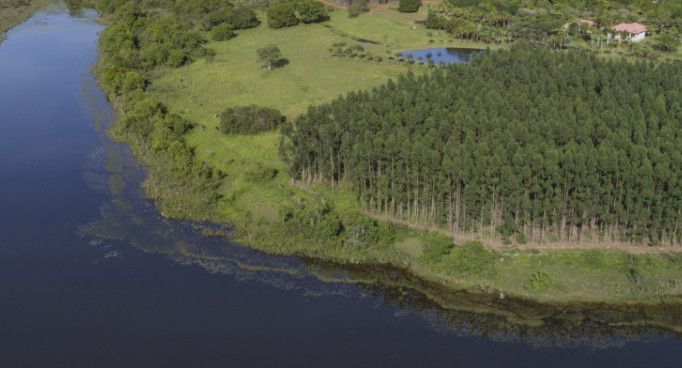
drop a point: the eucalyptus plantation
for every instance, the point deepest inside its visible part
(527, 143)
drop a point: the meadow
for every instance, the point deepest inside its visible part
(235, 77)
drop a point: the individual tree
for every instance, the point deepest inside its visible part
(311, 11)
(281, 15)
(270, 56)
(357, 7)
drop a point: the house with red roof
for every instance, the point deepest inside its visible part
(636, 32)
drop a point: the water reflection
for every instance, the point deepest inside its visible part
(129, 218)
(444, 55)
(463, 313)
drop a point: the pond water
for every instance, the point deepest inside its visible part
(92, 276)
(445, 55)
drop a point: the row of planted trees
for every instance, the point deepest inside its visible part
(528, 143)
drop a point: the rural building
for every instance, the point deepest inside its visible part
(636, 32)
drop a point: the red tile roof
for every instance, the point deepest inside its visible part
(633, 28)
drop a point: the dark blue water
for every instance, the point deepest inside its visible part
(444, 55)
(91, 277)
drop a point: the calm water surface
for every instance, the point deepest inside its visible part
(444, 55)
(90, 274)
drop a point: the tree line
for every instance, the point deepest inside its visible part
(145, 35)
(525, 144)
(542, 21)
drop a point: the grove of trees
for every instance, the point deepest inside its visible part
(282, 15)
(289, 13)
(526, 144)
(249, 119)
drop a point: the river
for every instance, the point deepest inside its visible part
(92, 276)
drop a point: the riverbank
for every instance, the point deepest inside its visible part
(15, 12)
(71, 291)
(241, 180)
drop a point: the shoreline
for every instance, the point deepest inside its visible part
(11, 17)
(181, 190)
(252, 237)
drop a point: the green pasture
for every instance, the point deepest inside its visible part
(595, 274)
(235, 77)
(311, 76)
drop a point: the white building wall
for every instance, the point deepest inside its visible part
(636, 37)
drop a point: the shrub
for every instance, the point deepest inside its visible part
(249, 119)
(359, 230)
(329, 227)
(178, 125)
(386, 233)
(540, 280)
(215, 18)
(222, 32)
(281, 15)
(177, 58)
(242, 17)
(435, 21)
(471, 258)
(409, 6)
(140, 114)
(237, 18)
(259, 174)
(357, 7)
(312, 219)
(437, 246)
(311, 11)
(632, 266)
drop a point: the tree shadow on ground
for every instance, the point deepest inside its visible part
(280, 63)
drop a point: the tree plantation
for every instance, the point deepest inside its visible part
(525, 144)
(520, 145)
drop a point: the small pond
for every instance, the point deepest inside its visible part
(445, 55)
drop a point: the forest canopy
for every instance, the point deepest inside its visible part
(524, 143)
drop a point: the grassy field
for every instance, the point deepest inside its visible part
(234, 77)
(590, 274)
